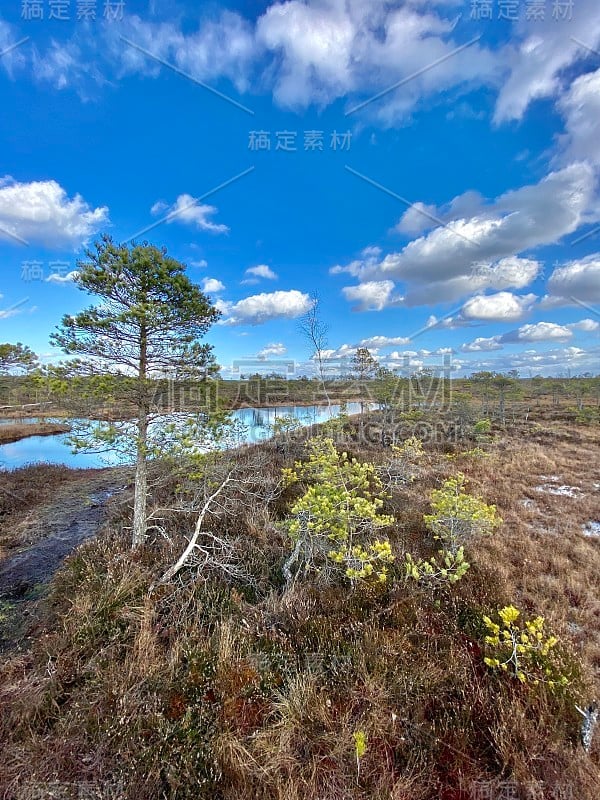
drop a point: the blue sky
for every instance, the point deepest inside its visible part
(431, 172)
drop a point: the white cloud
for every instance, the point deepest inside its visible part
(507, 273)
(482, 344)
(368, 262)
(511, 272)
(417, 219)
(449, 322)
(10, 312)
(12, 58)
(57, 278)
(559, 361)
(478, 252)
(538, 332)
(189, 211)
(372, 296)
(585, 325)
(275, 349)
(330, 49)
(303, 51)
(543, 51)
(406, 359)
(371, 251)
(343, 351)
(41, 212)
(317, 51)
(378, 342)
(63, 65)
(315, 46)
(534, 332)
(264, 307)
(578, 279)
(200, 264)
(500, 307)
(581, 108)
(212, 285)
(58, 64)
(223, 46)
(261, 271)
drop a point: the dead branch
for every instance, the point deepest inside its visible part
(174, 569)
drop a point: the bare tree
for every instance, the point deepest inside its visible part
(315, 332)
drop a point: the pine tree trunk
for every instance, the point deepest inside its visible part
(141, 466)
(141, 488)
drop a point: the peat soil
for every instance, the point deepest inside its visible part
(47, 534)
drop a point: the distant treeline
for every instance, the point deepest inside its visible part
(92, 395)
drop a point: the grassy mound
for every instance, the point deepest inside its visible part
(214, 687)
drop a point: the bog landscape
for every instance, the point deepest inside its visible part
(300, 491)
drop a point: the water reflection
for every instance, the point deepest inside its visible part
(56, 450)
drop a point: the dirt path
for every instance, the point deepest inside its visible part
(52, 531)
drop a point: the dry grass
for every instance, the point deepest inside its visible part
(542, 556)
(205, 689)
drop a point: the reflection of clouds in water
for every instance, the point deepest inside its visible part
(56, 450)
(46, 449)
(19, 421)
(592, 529)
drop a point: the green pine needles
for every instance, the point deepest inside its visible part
(335, 521)
(455, 518)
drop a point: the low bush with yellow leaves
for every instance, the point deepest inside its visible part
(404, 466)
(523, 649)
(446, 568)
(334, 522)
(456, 517)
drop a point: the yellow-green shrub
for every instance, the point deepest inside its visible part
(457, 516)
(523, 648)
(450, 568)
(403, 467)
(335, 520)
